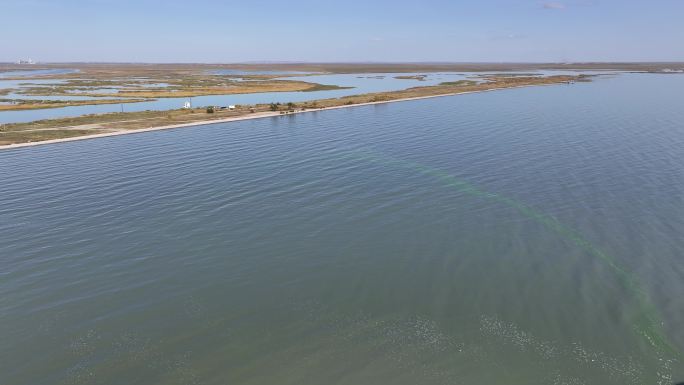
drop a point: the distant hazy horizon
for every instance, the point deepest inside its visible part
(265, 63)
(206, 31)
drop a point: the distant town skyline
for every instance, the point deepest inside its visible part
(352, 31)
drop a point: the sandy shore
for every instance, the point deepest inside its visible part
(258, 115)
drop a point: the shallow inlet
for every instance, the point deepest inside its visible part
(269, 251)
(358, 83)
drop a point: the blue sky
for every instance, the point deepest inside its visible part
(350, 30)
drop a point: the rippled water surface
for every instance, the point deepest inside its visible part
(527, 236)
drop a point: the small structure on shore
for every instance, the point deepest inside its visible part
(231, 107)
(187, 105)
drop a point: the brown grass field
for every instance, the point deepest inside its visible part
(149, 81)
(123, 70)
(138, 82)
(41, 104)
(141, 81)
(125, 122)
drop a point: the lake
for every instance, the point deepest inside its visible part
(524, 236)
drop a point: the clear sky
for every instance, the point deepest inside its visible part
(347, 30)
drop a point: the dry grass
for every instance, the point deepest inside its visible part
(43, 104)
(37, 136)
(411, 77)
(140, 81)
(189, 80)
(92, 124)
(127, 70)
(181, 89)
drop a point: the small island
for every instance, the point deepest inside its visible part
(98, 125)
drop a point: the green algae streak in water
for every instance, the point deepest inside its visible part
(646, 324)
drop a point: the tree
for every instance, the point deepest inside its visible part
(210, 110)
(291, 106)
(274, 107)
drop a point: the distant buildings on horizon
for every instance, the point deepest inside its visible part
(27, 61)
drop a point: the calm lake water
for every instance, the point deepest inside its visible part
(527, 236)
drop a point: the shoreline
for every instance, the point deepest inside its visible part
(258, 115)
